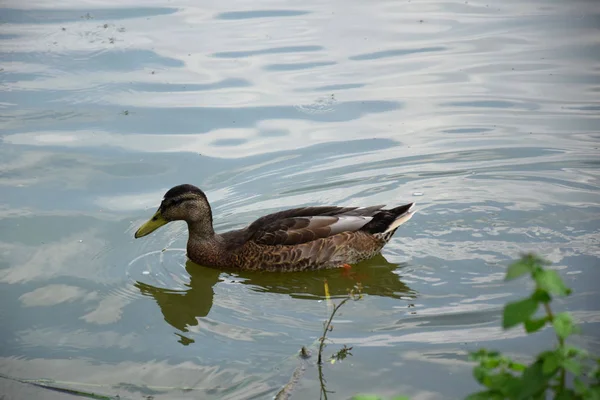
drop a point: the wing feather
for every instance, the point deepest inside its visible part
(298, 230)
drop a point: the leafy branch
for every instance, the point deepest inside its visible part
(547, 375)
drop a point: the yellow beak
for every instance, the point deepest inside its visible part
(151, 225)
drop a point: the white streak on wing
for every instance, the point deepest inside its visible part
(344, 223)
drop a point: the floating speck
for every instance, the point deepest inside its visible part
(80, 241)
(146, 273)
(418, 194)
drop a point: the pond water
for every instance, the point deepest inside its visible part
(484, 113)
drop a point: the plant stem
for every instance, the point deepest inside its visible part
(326, 329)
(561, 344)
(323, 394)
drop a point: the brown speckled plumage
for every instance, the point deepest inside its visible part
(298, 239)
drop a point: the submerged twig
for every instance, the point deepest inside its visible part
(62, 387)
(50, 385)
(286, 391)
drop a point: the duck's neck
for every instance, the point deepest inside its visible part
(204, 247)
(200, 229)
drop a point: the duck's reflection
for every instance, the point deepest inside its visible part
(182, 308)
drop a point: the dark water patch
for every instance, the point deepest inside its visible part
(500, 104)
(188, 87)
(331, 88)
(8, 36)
(329, 185)
(495, 174)
(297, 66)
(488, 317)
(229, 142)
(593, 108)
(395, 53)
(512, 153)
(53, 16)
(305, 156)
(106, 60)
(132, 169)
(467, 130)
(232, 15)
(26, 101)
(12, 77)
(38, 229)
(194, 120)
(272, 50)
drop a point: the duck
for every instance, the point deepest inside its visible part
(297, 239)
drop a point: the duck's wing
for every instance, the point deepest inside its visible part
(302, 225)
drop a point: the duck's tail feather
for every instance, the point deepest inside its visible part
(402, 217)
(387, 221)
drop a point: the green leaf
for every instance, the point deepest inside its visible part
(566, 394)
(485, 395)
(483, 354)
(366, 397)
(513, 388)
(563, 325)
(580, 387)
(518, 269)
(572, 351)
(551, 362)
(534, 325)
(534, 380)
(401, 398)
(517, 312)
(593, 393)
(501, 381)
(490, 363)
(516, 367)
(480, 373)
(541, 296)
(551, 282)
(492, 353)
(573, 366)
(478, 355)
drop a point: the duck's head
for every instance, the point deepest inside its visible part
(181, 203)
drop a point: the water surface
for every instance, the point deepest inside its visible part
(486, 114)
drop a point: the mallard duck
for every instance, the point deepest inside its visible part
(298, 239)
